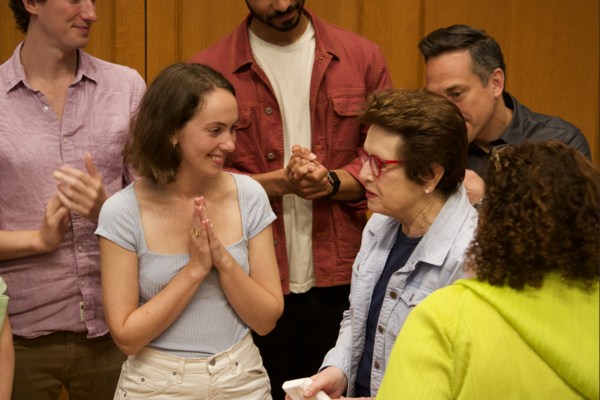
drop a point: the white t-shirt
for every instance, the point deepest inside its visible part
(289, 69)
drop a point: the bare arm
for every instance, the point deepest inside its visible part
(7, 360)
(133, 327)
(17, 244)
(256, 298)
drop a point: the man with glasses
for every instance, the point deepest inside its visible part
(300, 83)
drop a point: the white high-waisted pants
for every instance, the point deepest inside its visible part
(237, 373)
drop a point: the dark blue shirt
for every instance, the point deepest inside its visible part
(398, 257)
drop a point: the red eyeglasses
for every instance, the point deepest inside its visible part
(375, 162)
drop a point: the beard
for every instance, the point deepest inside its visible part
(281, 26)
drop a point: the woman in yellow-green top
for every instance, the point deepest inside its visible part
(7, 351)
(527, 327)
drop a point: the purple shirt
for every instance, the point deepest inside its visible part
(60, 290)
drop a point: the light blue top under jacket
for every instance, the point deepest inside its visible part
(436, 262)
(208, 325)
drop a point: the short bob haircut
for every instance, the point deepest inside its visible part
(433, 131)
(540, 215)
(21, 14)
(168, 105)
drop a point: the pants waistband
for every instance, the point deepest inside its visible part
(181, 365)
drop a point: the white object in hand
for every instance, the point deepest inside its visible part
(295, 389)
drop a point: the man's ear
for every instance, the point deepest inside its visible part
(438, 172)
(497, 81)
(31, 6)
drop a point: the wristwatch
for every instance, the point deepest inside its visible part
(333, 181)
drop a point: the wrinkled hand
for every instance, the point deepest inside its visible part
(80, 192)
(308, 178)
(201, 259)
(331, 380)
(54, 226)
(474, 185)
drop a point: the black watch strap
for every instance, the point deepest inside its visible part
(333, 181)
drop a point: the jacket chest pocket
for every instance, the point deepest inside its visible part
(343, 123)
(246, 144)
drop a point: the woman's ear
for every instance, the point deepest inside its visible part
(438, 172)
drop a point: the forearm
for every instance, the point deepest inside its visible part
(145, 323)
(258, 308)
(275, 183)
(7, 361)
(350, 188)
(17, 244)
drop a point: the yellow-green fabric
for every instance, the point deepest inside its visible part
(472, 340)
(3, 302)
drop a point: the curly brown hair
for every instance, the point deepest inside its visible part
(540, 215)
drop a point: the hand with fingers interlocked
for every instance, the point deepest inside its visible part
(308, 177)
(80, 192)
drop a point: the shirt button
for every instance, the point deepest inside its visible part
(270, 156)
(275, 242)
(213, 362)
(65, 140)
(393, 295)
(82, 283)
(45, 108)
(79, 248)
(80, 83)
(380, 329)
(377, 365)
(269, 111)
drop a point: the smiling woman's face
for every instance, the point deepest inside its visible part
(392, 193)
(210, 135)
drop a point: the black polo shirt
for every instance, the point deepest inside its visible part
(527, 125)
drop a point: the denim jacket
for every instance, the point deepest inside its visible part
(436, 262)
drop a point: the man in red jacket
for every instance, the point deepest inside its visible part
(300, 83)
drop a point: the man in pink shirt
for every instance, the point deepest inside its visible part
(64, 118)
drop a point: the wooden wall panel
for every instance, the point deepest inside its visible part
(9, 35)
(344, 13)
(203, 23)
(395, 25)
(162, 24)
(102, 43)
(130, 34)
(554, 61)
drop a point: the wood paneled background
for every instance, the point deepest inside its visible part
(551, 47)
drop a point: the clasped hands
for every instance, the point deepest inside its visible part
(205, 248)
(76, 191)
(307, 177)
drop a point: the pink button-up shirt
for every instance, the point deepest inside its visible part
(60, 290)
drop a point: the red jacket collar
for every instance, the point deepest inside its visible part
(241, 53)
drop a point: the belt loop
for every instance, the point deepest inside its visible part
(180, 372)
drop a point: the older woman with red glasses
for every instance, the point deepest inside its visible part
(413, 163)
